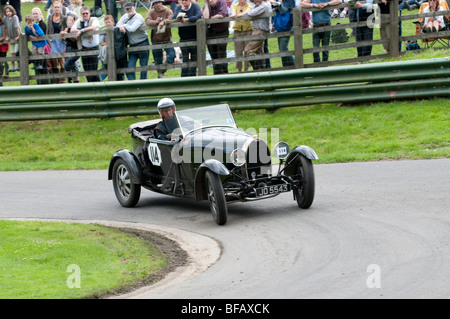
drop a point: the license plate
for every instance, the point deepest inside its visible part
(273, 189)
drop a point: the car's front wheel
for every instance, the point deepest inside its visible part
(126, 192)
(304, 193)
(216, 198)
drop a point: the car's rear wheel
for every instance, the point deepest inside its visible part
(216, 198)
(304, 193)
(126, 191)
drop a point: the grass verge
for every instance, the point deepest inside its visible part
(380, 131)
(46, 260)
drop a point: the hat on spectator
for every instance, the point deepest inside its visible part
(154, 1)
(129, 5)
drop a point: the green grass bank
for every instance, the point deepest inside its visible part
(379, 131)
(53, 260)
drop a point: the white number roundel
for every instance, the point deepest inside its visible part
(154, 154)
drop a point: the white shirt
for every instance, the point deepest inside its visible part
(439, 18)
(89, 41)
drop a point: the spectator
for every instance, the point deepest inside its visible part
(33, 30)
(320, 19)
(87, 42)
(116, 6)
(65, 3)
(64, 7)
(188, 11)
(3, 3)
(103, 56)
(160, 16)
(261, 26)
(402, 4)
(39, 19)
(16, 5)
(217, 9)
(362, 12)
(130, 24)
(266, 41)
(436, 23)
(306, 20)
(98, 3)
(56, 23)
(72, 63)
(12, 25)
(241, 28)
(385, 28)
(411, 4)
(283, 23)
(75, 7)
(172, 3)
(343, 13)
(4, 47)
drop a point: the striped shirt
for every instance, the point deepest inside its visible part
(261, 23)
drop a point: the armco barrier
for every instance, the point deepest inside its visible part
(267, 90)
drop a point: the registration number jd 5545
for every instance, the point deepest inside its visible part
(273, 189)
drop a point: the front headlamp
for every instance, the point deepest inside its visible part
(238, 157)
(281, 150)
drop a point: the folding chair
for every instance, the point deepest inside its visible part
(430, 42)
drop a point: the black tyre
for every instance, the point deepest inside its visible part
(304, 194)
(216, 197)
(127, 193)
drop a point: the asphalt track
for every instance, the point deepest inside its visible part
(375, 230)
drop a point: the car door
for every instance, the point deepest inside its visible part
(173, 178)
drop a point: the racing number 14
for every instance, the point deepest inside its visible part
(154, 154)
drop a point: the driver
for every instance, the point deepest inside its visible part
(164, 129)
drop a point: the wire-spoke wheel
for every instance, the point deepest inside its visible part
(126, 192)
(216, 198)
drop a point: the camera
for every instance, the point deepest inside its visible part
(351, 3)
(276, 4)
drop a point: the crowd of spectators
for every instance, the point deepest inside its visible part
(70, 16)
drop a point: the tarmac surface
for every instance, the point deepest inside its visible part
(375, 230)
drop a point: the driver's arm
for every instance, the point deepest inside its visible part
(160, 133)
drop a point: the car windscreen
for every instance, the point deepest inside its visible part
(197, 118)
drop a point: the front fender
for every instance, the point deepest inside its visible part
(132, 162)
(214, 165)
(291, 164)
(304, 150)
(200, 186)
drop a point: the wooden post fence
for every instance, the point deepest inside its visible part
(297, 33)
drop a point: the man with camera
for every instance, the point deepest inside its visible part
(283, 23)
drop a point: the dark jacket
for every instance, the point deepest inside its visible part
(120, 44)
(192, 14)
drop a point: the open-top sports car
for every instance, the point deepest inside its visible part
(209, 158)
